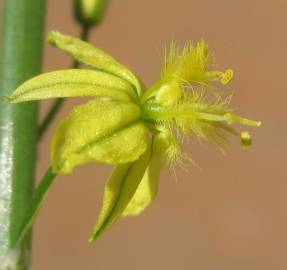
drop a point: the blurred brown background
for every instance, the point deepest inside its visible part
(231, 213)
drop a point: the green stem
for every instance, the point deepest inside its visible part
(21, 57)
(58, 103)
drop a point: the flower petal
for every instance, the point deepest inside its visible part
(94, 57)
(148, 186)
(71, 83)
(101, 130)
(119, 190)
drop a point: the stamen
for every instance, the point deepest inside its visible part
(245, 139)
(227, 76)
(232, 118)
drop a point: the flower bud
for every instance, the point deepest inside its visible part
(89, 12)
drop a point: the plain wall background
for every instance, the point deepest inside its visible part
(228, 215)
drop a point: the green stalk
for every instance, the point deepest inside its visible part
(21, 57)
(38, 198)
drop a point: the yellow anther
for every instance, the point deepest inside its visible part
(245, 139)
(227, 76)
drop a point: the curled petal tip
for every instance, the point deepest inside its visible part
(227, 76)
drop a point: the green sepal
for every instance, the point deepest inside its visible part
(73, 83)
(101, 130)
(94, 57)
(119, 190)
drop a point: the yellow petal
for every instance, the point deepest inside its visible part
(101, 130)
(72, 83)
(162, 151)
(92, 56)
(119, 190)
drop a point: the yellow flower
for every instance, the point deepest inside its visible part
(137, 129)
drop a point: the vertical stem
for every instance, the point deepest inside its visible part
(21, 55)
